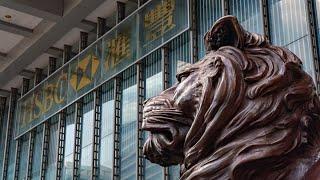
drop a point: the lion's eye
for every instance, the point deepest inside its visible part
(182, 77)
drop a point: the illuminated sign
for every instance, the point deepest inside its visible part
(147, 29)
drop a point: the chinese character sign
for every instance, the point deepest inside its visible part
(133, 39)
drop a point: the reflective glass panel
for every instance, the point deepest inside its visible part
(37, 152)
(128, 128)
(107, 125)
(52, 153)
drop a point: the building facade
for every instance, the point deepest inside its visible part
(96, 133)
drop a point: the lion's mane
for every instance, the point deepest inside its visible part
(263, 111)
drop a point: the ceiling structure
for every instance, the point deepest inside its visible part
(33, 30)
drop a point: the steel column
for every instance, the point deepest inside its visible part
(45, 150)
(77, 141)
(165, 85)
(101, 26)
(194, 31)
(96, 134)
(141, 97)
(25, 86)
(121, 11)
(30, 154)
(311, 9)
(61, 143)
(67, 53)
(38, 76)
(226, 7)
(52, 65)
(83, 41)
(17, 158)
(9, 134)
(117, 120)
(265, 15)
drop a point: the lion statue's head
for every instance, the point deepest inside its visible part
(247, 110)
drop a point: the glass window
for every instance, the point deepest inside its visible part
(37, 151)
(208, 11)
(153, 87)
(128, 127)
(87, 139)
(24, 152)
(179, 56)
(12, 155)
(52, 153)
(288, 21)
(69, 143)
(107, 125)
(249, 14)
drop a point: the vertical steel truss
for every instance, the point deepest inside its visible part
(30, 153)
(165, 85)
(265, 15)
(226, 7)
(77, 139)
(38, 76)
(141, 97)
(45, 150)
(312, 30)
(96, 134)
(3, 101)
(61, 143)
(9, 134)
(194, 31)
(117, 116)
(17, 160)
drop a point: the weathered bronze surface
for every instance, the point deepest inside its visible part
(247, 110)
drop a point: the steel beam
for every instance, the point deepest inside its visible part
(61, 143)
(15, 29)
(77, 141)
(117, 121)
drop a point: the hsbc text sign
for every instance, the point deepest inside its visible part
(143, 32)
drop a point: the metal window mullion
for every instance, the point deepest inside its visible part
(96, 133)
(30, 154)
(314, 43)
(165, 85)
(11, 111)
(45, 150)
(265, 15)
(61, 143)
(77, 139)
(141, 97)
(117, 116)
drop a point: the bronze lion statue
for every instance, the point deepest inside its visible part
(247, 110)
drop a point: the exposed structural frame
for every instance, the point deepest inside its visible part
(77, 140)
(265, 16)
(116, 129)
(61, 143)
(45, 150)
(193, 31)
(141, 96)
(97, 101)
(311, 10)
(165, 85)
(9, 129)
(31, 153)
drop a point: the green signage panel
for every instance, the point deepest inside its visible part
(147, 29)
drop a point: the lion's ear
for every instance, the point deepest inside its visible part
(225, 32)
